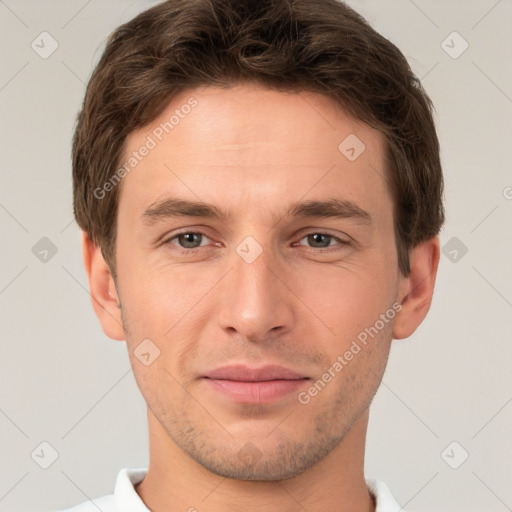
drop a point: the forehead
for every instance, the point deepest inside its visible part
(237, 113)
(256, 141)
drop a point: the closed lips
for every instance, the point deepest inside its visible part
(242, 373)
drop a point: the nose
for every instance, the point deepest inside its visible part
(257, 301)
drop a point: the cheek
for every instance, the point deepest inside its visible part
(348, 300)
(156, 300)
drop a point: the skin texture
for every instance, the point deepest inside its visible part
(251, 152)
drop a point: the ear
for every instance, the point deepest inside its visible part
(415, 291)
(103, 292)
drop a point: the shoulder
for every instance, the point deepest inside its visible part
(124, 498)
(105, 504)
(384, 500)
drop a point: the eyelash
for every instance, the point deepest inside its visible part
(184, 250)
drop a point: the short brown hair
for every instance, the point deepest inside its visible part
(322, 46)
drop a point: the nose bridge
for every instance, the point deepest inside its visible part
(255, 301)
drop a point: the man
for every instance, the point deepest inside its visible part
(260, 191)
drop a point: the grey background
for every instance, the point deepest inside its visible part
(62, 381)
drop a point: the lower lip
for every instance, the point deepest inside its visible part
(255, 392)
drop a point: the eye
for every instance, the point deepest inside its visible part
(188, 239)
(322, 240)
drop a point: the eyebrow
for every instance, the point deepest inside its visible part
(332, 208)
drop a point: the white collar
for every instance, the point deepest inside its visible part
(127, 499)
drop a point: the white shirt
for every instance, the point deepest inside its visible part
(126, 499)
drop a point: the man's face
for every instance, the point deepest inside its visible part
(262, 285)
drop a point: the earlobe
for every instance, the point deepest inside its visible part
(104, 298)
(416, 290)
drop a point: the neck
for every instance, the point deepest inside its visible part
(175, 482)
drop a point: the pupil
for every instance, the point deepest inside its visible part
(317, 239)
(189, 238)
